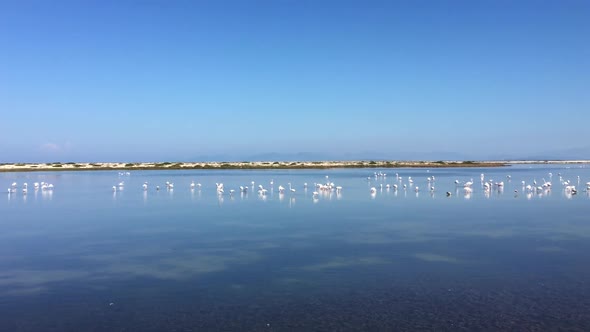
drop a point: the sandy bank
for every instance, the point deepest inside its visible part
(24, 167)
(28, 167)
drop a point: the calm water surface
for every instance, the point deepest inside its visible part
(82, 257)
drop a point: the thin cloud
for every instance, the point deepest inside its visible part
(50, 147)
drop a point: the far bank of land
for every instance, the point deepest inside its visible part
(72, 166)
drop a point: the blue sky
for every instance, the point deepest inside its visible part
(183, 80)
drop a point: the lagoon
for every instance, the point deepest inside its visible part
(82, 257)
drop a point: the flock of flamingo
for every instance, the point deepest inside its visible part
(487, 186)
(220, 189)
(25, 187)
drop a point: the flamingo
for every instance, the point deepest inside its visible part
(292, 189)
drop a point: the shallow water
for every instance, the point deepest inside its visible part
(82, 257)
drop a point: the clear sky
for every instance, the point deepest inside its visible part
(178, 80)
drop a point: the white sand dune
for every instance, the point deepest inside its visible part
(11, 167)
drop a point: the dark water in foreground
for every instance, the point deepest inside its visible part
(82, 258)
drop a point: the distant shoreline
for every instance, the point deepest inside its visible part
(71, 166)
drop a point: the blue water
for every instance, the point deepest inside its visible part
(82, 257)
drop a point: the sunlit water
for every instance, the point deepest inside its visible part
(82, 257)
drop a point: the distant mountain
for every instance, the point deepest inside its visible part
(582, 153)
(298, 156)
(317, 156)
(566, 154)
